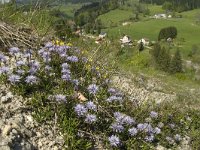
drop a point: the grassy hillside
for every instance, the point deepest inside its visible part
(188, 30)
(69, 9)
(115, 17)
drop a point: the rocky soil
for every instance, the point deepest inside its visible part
(141, 90)
(19, 131)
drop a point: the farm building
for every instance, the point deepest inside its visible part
(145, 41)
(102, 35)
(126, 40)
(160, 16)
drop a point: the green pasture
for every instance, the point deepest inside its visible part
(115, 17)
(69, 9)
(188, 30)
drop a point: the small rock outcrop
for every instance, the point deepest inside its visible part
(19, 131)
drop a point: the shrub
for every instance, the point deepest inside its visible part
(169, 32)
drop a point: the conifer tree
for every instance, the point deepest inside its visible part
(164, 58)
(176, 63)
(155, 51)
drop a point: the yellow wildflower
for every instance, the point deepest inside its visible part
(57, 42)
(69, 44)
(62, 43)
(90, 60)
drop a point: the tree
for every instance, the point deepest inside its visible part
(62, 28)
(167, 6)
(98, 26)
(169, 32)
(163, 60)
(176, 63)
(155, 51)
(87, 28)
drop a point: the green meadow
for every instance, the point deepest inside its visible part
(188, 29)
(69, 9)
(115, 17)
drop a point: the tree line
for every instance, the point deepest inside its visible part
(85, 17)
(165, 61)
(177, 5)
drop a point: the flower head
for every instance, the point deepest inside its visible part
(93, 88)
(35, 64)
(20, 63)
(149, 138)
(111, 90)
(41, 51)
(65, 66)
(114, 140)
(28, 53)
(4, 69)
(91, 106)
(2, 58)
(153, 114)
(114, 98)
(117, 127)
(65, 71)
(133, 131)
(20, 71)
(80, 109)
(90, 118)
(72, 58)
(128, 120)
(14, 50)
(31, 79)
(66, 77)
(48, 44)
(14, 78)
(60, 98)
(144, 127)
(33, 70)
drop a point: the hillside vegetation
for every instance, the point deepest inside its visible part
(109, 95)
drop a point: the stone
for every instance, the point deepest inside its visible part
(159, 147)
(38, 134)
(9, 95)
(6, 130)
(14, 131)
(4, 99)
(4, 147)
(29, 118)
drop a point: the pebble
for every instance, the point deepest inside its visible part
(4, 99)
(6, 130)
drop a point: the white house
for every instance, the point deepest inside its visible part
(102, 35)
(126, 40)
(169, 16)
(159, 16)
(126, 23)
(145, 41)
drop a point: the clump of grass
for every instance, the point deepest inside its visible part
(75, 92)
